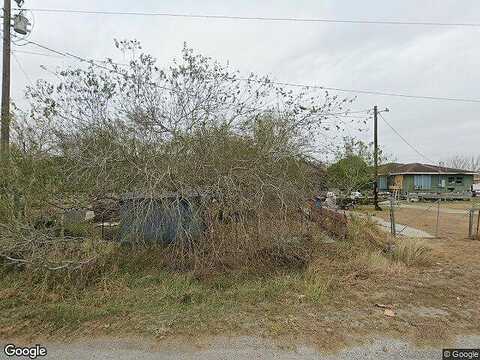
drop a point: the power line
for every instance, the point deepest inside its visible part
(56, 56)
(89, 61)
(37, 53)
(355, 91)
(406, 141)
(256, 18)
(371, 92)
(76, 57)
(22, 69)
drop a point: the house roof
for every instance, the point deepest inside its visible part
(417, 168)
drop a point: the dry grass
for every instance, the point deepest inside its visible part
(287, 272)
(378, 263)
(412, 252)
(136, 292)
(455, 205)
(451, 226)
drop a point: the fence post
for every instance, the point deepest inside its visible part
(478, 225)
(392, 217)
(470, 224)
(438, 217)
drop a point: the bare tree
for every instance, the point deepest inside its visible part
(464, 162)
(196, 125)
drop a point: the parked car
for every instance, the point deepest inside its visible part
(354, 195)
(476, 190)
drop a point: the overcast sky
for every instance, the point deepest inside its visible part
(431, 61)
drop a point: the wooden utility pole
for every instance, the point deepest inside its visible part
(375, 155)
(5, 128)
(393, 226)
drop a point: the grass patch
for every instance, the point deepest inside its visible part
(317, 288)
(412, 252)
(132, 291)
(378, 263)
(175, 302)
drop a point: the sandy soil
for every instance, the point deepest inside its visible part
(452, 226)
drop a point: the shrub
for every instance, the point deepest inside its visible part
(192, 128)
(412, 252)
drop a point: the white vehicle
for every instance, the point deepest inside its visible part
(354, 195)
(476, 189)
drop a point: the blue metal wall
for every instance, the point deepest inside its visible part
(161, 221)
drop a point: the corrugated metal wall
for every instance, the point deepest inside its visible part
(161, 221)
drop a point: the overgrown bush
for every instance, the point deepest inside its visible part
(246, 144)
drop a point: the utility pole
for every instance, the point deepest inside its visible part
(5, 127)
(393, 225)
(375, 156)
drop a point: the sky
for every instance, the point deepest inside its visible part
(416, 60)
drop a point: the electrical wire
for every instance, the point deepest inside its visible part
(256, 18)
(405, 140)
(37, 53)
(81, 59)
(369, 92)
(57, 56)
(27, 77)
(373, 92)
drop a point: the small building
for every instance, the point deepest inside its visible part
(160, 219)
(423, 178)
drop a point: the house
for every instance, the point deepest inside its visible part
(423, 178)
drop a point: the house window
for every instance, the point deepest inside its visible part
(459, 180)
(422, 182)
(451, 180)
(382, 183)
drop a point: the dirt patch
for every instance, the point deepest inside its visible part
(451, 226)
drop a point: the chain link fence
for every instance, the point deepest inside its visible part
(437, 219)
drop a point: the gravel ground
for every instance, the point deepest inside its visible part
(241, 348)
(405, 230)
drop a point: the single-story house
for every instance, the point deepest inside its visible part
(416, 177)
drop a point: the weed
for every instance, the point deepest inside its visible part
(412, 252)
(317, 285)
(378, 263)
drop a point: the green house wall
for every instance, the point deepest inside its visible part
(408, 184)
